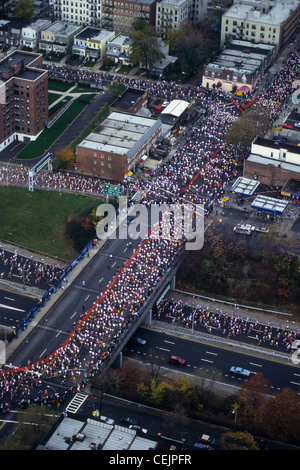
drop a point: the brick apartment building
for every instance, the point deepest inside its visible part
(117, 145)
(23, 97)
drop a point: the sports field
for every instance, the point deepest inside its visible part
(37, 219)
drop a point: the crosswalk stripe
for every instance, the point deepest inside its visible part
(76, 402)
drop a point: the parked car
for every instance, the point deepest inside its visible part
(177, 360)
(209, 440)
(107, 420)
(240, 371)
(287, 126)
(139, 340)
(297, 124)
(130, 421)
(138, 427)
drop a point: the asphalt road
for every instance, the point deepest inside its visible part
(53, 330)
(213, 362)
(14, 307)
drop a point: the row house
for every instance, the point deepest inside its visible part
(58, 37)
(91, 42)
(31, 34)
(10, 34)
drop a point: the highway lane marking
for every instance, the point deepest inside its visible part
(113, 265)
(162, 349)
(58, 333)
(212, 353)
(207, 360)
(87, 297)
(254, 364)
(12, 308)
(42, 354)
(169, 342)
(8, 298)
(294, 383)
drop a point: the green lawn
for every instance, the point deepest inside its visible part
(57, 85)
(37, 219)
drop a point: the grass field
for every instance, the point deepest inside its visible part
(36, 220)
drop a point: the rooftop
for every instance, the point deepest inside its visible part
(88, 33)
(241, 56)
(61, 27)
(274, 144)
(128, 98)
(276, 15)
(119, 133)
(16, 58)
(73, 433)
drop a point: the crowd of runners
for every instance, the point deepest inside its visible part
(227, 324)
(102, 329)
(14, 266)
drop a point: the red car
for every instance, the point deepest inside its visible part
(177, 360)
(287, 126)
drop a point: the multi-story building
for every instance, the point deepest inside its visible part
(23, 97)
(58, 37)
(10, 34)
(261, 21)
(117, 145)
(78, 11)
(171, 13)
(272, 162)
(31, 34)
(114, 15)
(125, 12)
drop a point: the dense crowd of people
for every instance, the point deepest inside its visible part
(102, 329)
(229, 325)
(29, 270)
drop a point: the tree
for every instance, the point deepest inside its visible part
(254, 121)
(254, 390)
(145, 47)
(24, 10)
(64, 159)
(280, 417)
(238, 441)
(26, 436)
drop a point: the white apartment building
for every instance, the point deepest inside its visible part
(272, 163)
(31, 34)
(261, 21)
(171, 13)
(78, 11)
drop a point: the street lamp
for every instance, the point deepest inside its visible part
(234, 411)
